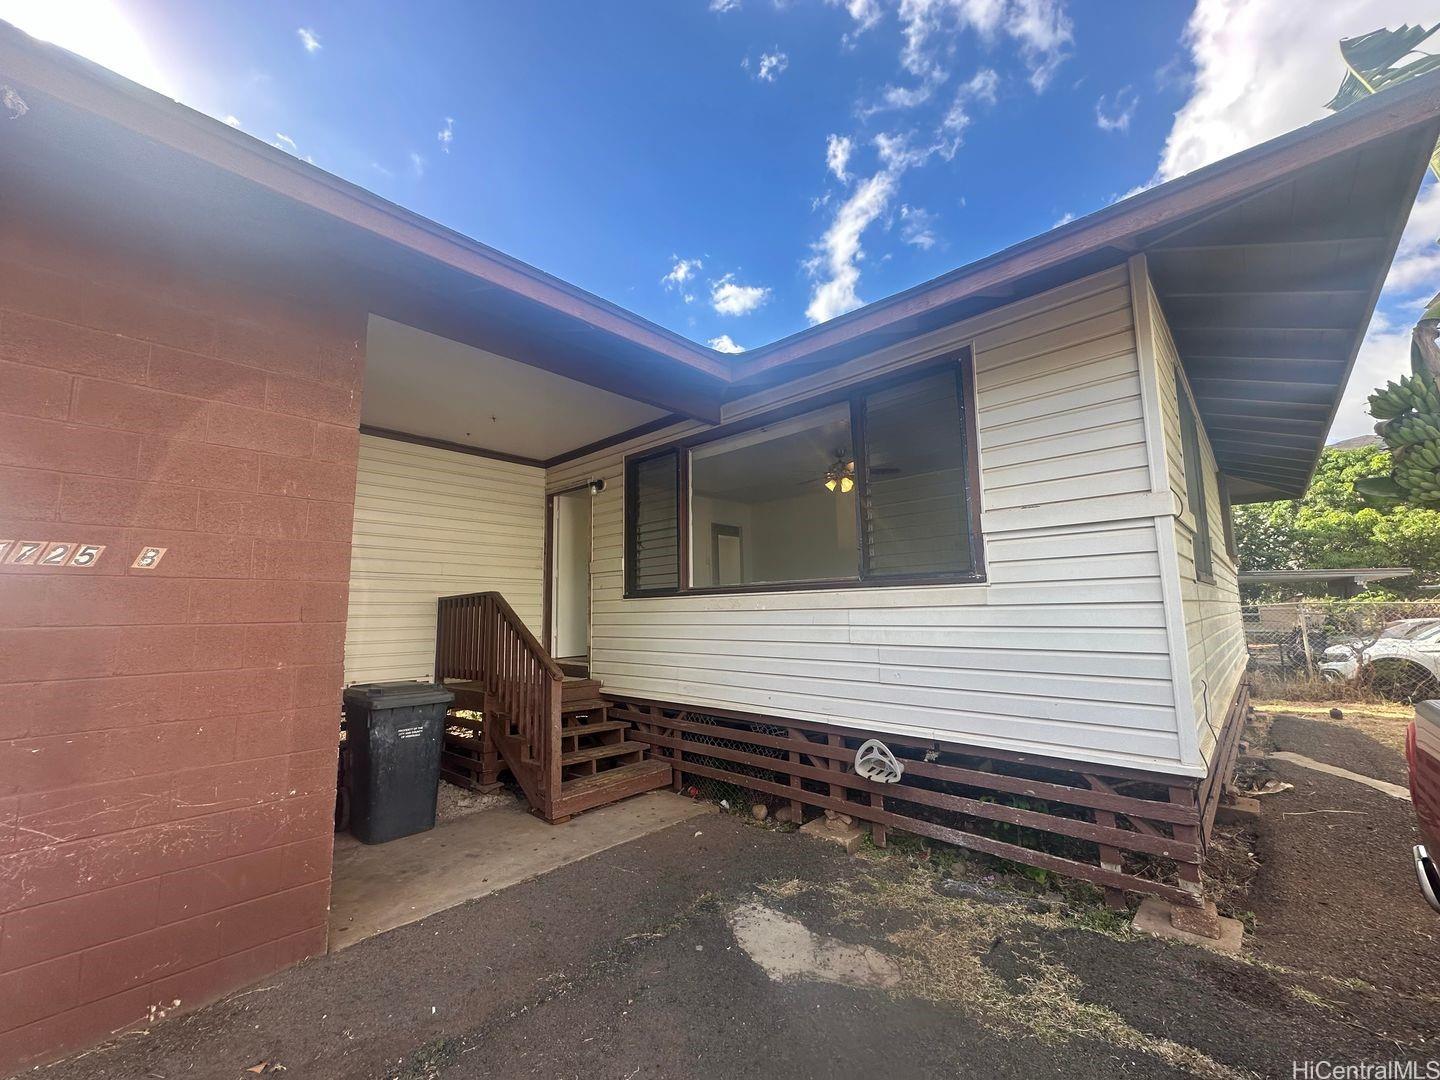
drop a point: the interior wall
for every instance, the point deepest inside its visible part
(432, 523)
(571, 553)
(168, 726)
(810, 535)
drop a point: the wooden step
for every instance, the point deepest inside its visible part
(576, 667)
(594, 705)
(594, 728)
(579, 689)
(588, 792)
(599, 753)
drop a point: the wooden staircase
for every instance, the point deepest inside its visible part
(552, 731)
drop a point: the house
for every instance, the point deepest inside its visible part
(259, 421)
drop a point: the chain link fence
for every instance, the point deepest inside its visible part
(1346, 650)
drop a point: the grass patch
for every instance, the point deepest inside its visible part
(943, 943)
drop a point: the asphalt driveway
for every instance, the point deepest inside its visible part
(630, 964)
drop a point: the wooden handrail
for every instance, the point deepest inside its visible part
(479, 638)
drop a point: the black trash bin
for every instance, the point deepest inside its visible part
(393, 735)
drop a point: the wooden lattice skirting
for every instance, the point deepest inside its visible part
(1125, 830)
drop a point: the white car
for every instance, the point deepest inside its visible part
(1406, 655)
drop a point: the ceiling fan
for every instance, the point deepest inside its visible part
(839, 475)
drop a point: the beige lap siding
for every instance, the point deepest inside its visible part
(431, 523)
(1063, 651)
(167, 737)
(1214, 633)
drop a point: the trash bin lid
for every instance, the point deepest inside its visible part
(397, 695)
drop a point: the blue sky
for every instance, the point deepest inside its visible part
(738, 169)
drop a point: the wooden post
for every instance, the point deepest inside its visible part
(1188, 873)
(1305, 643)
(797, 808)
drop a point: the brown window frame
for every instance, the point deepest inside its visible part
(960, 361)
(1192, 453)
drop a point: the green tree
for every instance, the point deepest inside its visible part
(1331, 527)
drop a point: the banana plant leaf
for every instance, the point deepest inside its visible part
(1381, 492)
(1370, 62)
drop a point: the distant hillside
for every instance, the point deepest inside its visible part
(1358, 440)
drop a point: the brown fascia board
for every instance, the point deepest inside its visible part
(82, 84)
(1399, 108)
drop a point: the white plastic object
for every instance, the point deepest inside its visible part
(874, 761)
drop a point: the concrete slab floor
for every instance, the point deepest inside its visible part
(377, 888)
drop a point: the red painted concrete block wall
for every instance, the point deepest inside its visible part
(167, 736)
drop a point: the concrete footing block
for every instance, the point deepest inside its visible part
(847, 834)
(1238, 810)
(1196, 925)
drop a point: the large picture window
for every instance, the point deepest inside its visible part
(868, 487)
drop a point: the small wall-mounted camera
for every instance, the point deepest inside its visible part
(597, 486)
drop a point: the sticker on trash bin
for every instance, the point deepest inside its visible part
(410, 732)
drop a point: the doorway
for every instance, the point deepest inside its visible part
(569, 572)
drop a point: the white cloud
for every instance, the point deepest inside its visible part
(1384, 355)
(446, 135)
(309, 39)
(724, 344)
(232, 120)
(836, 263)
(722, 6)
(866, 14)
(285, 142)
(917, 227)
(1416, 270)
(681, 272)
(1041, 30)
(1114, 112)
(1064, 219)
(417, 165)
(769, 67)
(1261, 70)
(981, 88)
(837, 156)
(729, 297)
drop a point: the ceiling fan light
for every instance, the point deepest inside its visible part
(846, 485)
(830, 483)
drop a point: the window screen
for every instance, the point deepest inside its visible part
(916, 511)
(652, 525)
(1195, 482)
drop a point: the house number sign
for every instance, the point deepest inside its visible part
(67, 554)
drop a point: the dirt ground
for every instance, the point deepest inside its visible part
(628, 965)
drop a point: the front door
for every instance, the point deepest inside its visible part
(570, 574)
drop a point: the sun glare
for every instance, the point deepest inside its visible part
(98, 30)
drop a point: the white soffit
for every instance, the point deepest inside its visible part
(422, 384)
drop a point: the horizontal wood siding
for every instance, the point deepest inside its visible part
(1214, 635)
(431, 523)
(1063, 651)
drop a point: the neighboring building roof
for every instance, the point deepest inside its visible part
(1267, 264)
(1357, 575)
